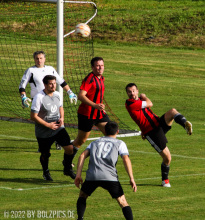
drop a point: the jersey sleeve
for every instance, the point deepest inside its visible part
(123, 149)
(36, 104)
(86, 84)
(24, 81)
(59, 79)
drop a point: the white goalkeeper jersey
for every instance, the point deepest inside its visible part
(47, 108)
(103, 158)
(35, 75)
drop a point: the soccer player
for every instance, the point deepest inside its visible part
(48, 114)
(102, 170)
(154, 128)
(91, 110)
(34, 76)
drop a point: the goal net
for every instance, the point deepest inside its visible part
(26, 27)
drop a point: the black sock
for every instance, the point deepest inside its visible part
(165, 171)
(127, 212)
(67, 161)
(75, 150)
(44, 159)
(81, 206)
(180, 119)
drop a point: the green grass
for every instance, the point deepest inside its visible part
(171, 78)
(160, 23)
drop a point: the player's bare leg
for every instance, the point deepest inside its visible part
(101, 127)
(81, 138)
(126, 209)
(172, 115)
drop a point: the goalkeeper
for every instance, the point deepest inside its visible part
(34, 76)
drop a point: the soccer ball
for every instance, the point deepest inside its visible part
(82, 30)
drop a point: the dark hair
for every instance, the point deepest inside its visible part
(47, 78)
(96, 59)
(38, 52)
(111, 128)
(130, 85)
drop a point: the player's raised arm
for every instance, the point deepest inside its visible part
(149, 103)
(128, 168)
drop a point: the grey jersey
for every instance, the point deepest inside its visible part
(103, 158)
(47, 108)
(35, 75)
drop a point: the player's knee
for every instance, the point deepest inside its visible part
(122, 201)
(79, 142)
(167, 160)
(174, 111)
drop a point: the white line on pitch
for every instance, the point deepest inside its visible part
(71, 185)
(170, 177)
(175, 155)
(43, 187)
(16, 137)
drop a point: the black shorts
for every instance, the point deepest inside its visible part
(156, 137)
(113, 187)
(62, 138)
(85, 124)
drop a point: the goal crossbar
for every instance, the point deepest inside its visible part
(90, 19)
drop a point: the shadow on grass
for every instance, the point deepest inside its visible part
(145, 184)
(33, 181)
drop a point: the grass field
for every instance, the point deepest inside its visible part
(169, 70)
(170, 78)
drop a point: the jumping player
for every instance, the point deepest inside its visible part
(91, 110)
(102, 170)
(152, 127)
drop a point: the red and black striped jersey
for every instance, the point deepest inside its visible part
(94, 87)
(144, 117)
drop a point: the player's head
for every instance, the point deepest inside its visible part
(47, 78)
(111, 128)
(97, 64)
(39, 58)
(132, 90)
(96, 59)
(38, 52)
(49, 83)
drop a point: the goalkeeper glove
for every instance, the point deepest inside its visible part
(25, 101)
(72, 97)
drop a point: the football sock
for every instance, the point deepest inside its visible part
(44, 159)
(81, 206)
(75, 150)
(165, 171)
(67, 161)
(180, 119)
(127, 212)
